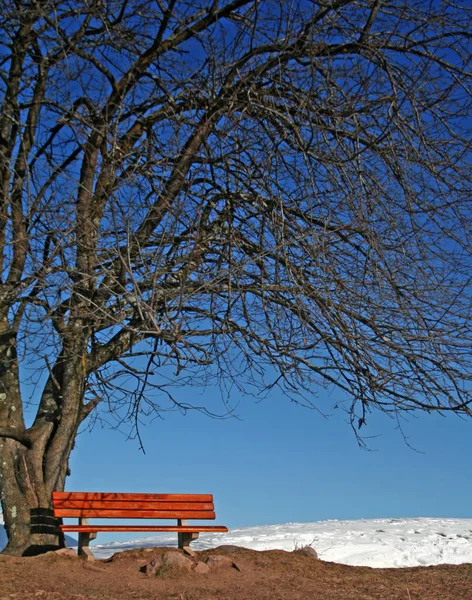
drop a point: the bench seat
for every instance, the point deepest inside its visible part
(177, 528)
(110, 505)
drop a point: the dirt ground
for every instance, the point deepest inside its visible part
(273, 575)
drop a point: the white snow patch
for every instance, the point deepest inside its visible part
(378, 543)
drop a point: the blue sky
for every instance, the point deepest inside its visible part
(280, 463)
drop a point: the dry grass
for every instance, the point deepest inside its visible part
(274, 575)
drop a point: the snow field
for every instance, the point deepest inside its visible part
(377, 543)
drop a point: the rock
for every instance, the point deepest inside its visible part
(66, 552)
(220, 562)
(168, 560)
(151, 568)
(201, 567)
(307, 551)
(175, 559)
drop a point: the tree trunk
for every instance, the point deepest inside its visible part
(26, 501)
(34, 462)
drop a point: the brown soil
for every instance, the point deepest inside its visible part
(273, 575)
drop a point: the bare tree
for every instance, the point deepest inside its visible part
(255, 193)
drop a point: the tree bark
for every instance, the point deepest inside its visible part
(34, 462)
(23, 492)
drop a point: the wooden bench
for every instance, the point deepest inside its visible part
(107, 505)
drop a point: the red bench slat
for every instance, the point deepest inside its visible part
(183, 528)
(125, 497)
(132, 514)
(111, 505)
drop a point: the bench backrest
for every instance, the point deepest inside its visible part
(108, 505)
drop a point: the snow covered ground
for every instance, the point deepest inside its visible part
(364, 542)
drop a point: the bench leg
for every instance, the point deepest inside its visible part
(85, 538)
(83, 550)
(184, 542)
(185, 538)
